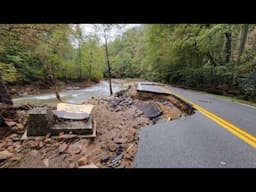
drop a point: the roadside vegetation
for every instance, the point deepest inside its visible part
(218, 58)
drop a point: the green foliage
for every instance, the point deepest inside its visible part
(194, 55)
(9, 73)
(126, 53)
(248, 85)
(33, 52)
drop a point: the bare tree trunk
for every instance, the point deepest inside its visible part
(53, 82)
(90, 65)
(227, 48)
(66, 76)
(240, 48)
(57, 93)
(53, 79)
(108, 63)
(4, 96)
(80, 62)
(213, 68)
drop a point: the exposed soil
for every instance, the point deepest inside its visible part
(117, 122)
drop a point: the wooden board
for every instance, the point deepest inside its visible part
(73, 111)
(74, 108)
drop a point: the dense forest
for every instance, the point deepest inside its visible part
(220, 58)
(33, 52)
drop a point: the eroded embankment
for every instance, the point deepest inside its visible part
(118, 120)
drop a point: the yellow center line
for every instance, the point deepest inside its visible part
(243, 135)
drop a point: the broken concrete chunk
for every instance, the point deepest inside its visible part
(150, 110)
(138, 113)
(151, 88)
(39, 122)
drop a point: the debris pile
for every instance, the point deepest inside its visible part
(117, 119)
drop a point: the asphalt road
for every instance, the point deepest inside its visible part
(196, 141)
(240, 115)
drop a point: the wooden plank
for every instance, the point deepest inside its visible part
(75, 108)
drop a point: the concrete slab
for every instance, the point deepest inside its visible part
(74, 127)
(92, 135)
(70, 115)
(41, 121)
(150, 110)
(151, 88)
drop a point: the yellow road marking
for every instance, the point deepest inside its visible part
(246, 137)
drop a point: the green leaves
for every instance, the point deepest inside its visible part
(9, 73)
(126, 53)
(248, 85)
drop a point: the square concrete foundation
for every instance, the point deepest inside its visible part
(41, 121)
(74, 127)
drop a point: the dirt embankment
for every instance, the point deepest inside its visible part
(117, 122)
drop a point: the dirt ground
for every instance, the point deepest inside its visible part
(118, 121)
